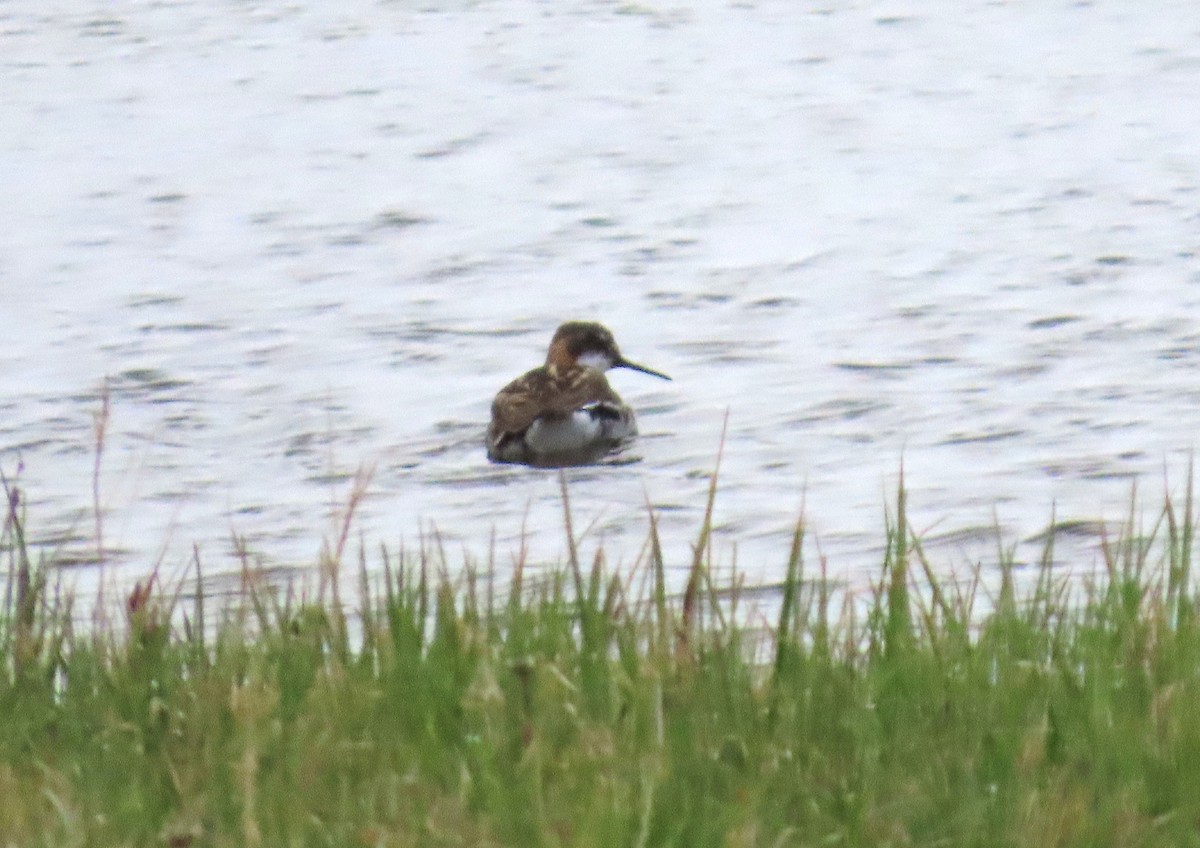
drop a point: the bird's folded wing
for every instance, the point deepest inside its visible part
(545, 391)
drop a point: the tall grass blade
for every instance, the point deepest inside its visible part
(696, 572)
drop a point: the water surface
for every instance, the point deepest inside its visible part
(298, 240)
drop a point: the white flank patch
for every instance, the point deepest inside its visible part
(565, 435)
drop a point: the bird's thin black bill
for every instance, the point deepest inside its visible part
(633, 366)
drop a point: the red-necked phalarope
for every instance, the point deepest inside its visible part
(565, 412)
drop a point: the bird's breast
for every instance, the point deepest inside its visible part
(582, 429)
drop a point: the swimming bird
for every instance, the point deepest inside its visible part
(565, 412)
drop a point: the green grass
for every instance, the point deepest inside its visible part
(574, 711)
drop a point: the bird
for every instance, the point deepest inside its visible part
(565, 412)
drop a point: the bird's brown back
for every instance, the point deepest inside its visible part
(548, 391)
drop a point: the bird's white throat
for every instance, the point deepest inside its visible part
(595, 359)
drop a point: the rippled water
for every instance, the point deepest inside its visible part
(299, 239)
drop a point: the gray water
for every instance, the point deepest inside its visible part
(301, 239)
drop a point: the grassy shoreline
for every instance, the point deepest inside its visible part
(576, 711)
